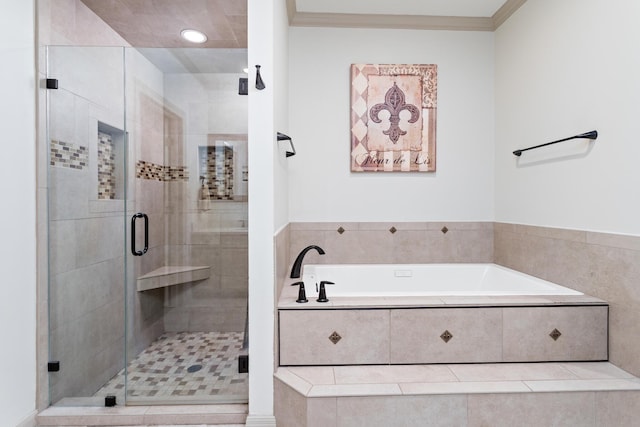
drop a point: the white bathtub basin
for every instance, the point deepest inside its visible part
(389, 280)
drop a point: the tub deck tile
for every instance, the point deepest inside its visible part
(343, 390)
(393, 374)
(512, 372)
(390, 380)
(464, 387)
(584, 385)
(289, 295)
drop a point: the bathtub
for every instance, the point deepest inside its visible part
(390, 280)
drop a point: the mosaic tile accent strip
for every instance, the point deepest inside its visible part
(156, 172)
(193, 364)
(67, 155)
(148, 170)
(106, 167)
(176, 173)
(216, 166)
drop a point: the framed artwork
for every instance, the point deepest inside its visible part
(393, 117)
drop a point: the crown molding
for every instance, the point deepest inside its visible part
(503, 13)
(414, 22)
(291, 10)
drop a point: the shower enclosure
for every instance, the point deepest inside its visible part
(147, 221)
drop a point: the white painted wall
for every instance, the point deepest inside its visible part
(18, 221)
(322, 188)
(261, 212)
(563, 68)
(281, 105)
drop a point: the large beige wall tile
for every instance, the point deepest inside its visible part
(322, 412)
(624, 343)
(617, 408)
(405, 410)
(526, 333)
(234, 262)
(99, 239)
(409, 246)
(532, 410)
(69, 193)
(290, 407)
(304, 337)
(358, 246)
(62, 252)
(367, 411)
(477, 335)
(282, 243)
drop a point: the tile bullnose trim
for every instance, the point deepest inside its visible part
(260, 421)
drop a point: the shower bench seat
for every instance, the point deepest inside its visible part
(172, 275)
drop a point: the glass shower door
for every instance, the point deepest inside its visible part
(86, 204)
(187, 295)
(147, 220)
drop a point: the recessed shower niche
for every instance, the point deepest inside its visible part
(110, 158)
(222, 168)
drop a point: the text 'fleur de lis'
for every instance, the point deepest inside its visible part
(394, 103)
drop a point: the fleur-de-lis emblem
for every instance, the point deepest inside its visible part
(394, 103)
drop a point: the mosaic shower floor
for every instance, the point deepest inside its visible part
(187, 366)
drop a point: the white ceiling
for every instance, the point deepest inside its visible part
(467, 8)
(156, 24)
(461, 15)
(196, 60)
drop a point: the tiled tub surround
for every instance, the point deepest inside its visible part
(604, 265)
(418, 330)
(393, 242)
(588, 394)
(384, 243)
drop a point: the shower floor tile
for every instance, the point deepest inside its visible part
(185, 366)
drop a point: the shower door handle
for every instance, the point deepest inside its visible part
(133, 234)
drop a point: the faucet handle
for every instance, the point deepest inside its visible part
(322, 295)
(302, 296)
(322, 283)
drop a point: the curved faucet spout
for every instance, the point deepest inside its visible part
(297, 264)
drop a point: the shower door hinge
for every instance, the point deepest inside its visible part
(110, 401)
(243, 86)
(243, 363)
(52, 83)
(53, 366)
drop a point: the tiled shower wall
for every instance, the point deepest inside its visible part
(603, 265)
(75, 262)
(86, 256)
(218, 303)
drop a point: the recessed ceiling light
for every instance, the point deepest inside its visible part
(194, 36)
(245, 70)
